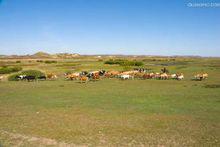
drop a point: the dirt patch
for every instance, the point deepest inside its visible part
(20, 140)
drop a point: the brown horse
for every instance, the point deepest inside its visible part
(83, 79)
(96, 77)
(139, 75)
(147, 76)
(113, 73)
(107, 75)
(51, 76)
(73, 76)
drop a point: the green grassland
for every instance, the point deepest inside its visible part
(112, 112)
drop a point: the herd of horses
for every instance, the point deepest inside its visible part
(133, 74)
(85, 76)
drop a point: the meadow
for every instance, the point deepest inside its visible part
(112, 112)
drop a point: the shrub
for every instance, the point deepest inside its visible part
(35, 73)
(124, 62)
(7, 70)
(117, 61)
(13, 77)
(40, 61)
(133, 63)
(50, 61)
(18, 61)
(110, 62)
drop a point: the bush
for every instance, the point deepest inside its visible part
(18, 61)
(13, 77)
(110, 62)
(132, 63)
(35, 73)
(117, 61)
(124, 62)
(8, 70)
(40, 61)
(50, 61)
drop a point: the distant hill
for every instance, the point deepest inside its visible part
(2, 56)
(41, 55)
(58, 55)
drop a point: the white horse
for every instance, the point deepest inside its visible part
(1, 78)
(173, 76)
(124, 77)
(21, 77)
(180, 77)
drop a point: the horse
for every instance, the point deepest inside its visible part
(107, 75)
(180, 76)
(124, 77)
(1, 78)
(89, 75)
(51, 76)
(102, 72)
(163, 76)
(173, 76)
(83, 73)
(73, 76)
(139, 75)
(198, 77)
(42, 77)
(21, 77)
(147, 76)
(30, 78)
(205, 76)
(156, 75)
(132, 72)
(152, 75)
(96, 77)
(112, 74)
(83, 79)
(201, 77)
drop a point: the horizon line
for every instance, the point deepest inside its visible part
(111, 55)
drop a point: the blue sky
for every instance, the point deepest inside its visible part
(141, 27)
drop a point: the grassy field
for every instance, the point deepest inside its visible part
(111, 112)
